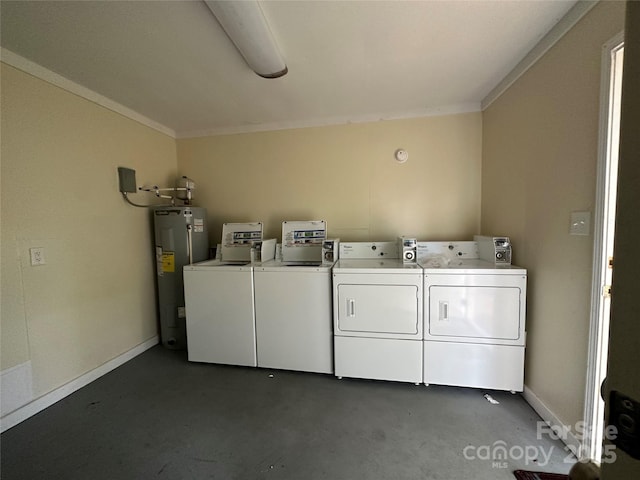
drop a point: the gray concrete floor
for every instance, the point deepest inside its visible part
(159, 416)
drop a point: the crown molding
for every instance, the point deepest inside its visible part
(38, 71)
(333, 121)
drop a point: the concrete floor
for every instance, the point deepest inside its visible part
(159, 416)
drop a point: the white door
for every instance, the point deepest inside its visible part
(220, 316)
(294, 320)
(604, 235)
(475, 308)
(378, 309)
(486, 312)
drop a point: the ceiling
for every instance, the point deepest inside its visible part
(348, 61)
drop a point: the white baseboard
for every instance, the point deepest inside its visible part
(570, 440)
(21, 414)
(16, 388)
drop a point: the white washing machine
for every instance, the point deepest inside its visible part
(219, 299)
(293, 303)
(377, 314)
(474, 318)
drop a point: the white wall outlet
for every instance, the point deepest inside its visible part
(37, 256)
(580, 223)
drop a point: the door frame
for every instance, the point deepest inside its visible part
(599, 266)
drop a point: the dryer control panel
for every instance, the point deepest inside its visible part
(368, 250)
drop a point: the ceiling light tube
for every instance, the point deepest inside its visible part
(244, 23)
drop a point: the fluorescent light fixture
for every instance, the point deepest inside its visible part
(244, 23)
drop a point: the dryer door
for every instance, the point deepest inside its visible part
(478, 312)
(378, 310)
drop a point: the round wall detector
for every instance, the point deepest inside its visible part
(401, 155)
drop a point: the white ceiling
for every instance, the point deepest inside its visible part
(348, 60)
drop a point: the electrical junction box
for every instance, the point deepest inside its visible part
(127, 178)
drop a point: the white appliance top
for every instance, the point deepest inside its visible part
(375, 265)
(467, 266)
(219, 265)
(302, 241)
(363, 257)
(302, 267)
(459, 258)
(237, 239)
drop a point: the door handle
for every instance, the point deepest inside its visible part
(351, 307)
(444, 311)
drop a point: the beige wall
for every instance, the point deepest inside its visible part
(539, 164)
(345, 175)
(94, 299)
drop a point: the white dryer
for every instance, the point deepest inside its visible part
(293, 303)
(219, 299)
(474, 318)
(377, 314)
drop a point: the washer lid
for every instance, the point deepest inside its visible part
(218, 265)
(299, 267)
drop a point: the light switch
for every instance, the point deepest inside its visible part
(580, 223)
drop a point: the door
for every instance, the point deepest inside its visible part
(294, 319)
(475, 308)
(220, 315)
(604, 235)
(467, 312)
(379, 309)
(624, 354)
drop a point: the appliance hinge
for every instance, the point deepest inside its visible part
(610, 262)
(606, 291)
